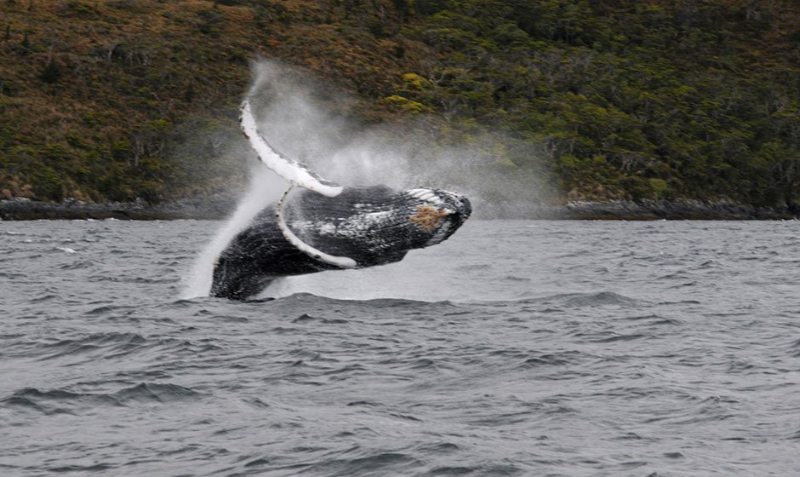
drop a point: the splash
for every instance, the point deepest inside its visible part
(264, 188)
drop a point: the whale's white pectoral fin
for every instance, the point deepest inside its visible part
(341, 262)
(290, 170)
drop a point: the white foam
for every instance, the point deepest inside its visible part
(264, 189)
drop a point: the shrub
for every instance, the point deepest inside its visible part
(51, 73)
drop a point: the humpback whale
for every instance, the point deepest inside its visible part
(318, 225)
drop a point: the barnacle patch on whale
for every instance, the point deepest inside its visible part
(427, 217)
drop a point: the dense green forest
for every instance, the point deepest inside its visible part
(656, 99)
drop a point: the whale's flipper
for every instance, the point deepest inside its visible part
(316, 254)
(289, 169)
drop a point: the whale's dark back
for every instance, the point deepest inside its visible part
(371, 225)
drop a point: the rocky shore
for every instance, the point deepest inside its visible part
(206, 208)
(219, 206)
(674, 210)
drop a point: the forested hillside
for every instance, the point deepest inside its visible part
(658, 99)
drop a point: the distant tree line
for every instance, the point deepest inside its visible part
(662, 99)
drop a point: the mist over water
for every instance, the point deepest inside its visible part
(514, 348)
(305, 120)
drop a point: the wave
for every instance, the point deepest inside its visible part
(111, 344)
(312, 299)
(377, 463)
(561, 358)
(155, 392)
(61, 401)
(570, 300)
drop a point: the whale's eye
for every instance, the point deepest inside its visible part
(427, 217)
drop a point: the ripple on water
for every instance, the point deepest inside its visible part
(57, 401)
(572, 358)
(109, 344)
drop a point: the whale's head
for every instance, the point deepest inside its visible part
(435, 214)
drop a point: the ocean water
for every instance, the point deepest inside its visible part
(515, 348)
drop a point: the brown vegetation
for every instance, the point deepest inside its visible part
(125, 99)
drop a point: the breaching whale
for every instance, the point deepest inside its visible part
(318, 225)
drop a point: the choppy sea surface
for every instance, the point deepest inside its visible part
(514, 348)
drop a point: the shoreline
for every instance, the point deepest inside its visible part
(207, 208)
(221, 206)
(683, 209)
